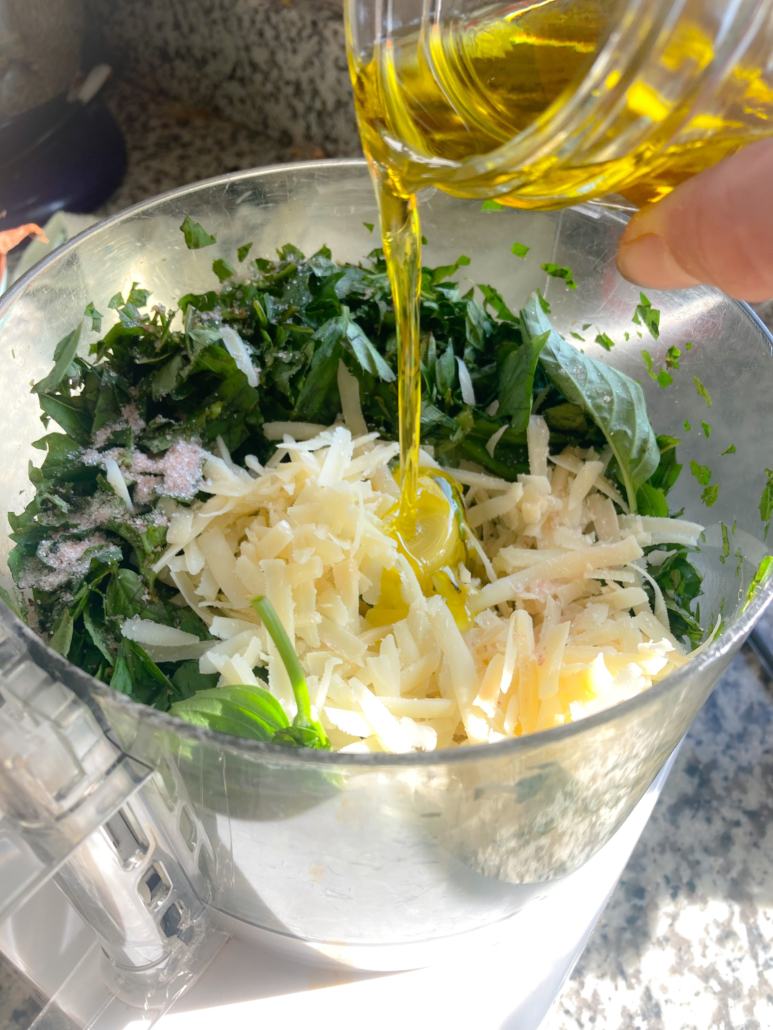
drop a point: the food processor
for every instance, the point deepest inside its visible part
(136, 845)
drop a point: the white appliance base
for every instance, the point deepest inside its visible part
(501, 978)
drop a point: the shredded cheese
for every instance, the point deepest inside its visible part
(559, 624)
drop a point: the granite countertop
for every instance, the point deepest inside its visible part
(685, 943)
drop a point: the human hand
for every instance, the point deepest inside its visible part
(716, 228)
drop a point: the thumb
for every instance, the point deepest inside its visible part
(716, 228)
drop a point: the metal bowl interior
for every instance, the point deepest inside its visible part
(423, 846)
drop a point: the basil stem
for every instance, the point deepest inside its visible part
(303, 719)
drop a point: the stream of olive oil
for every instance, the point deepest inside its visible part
(481, 90)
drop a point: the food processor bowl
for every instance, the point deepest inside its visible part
(387, 861)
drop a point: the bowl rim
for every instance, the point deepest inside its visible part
(729, 641)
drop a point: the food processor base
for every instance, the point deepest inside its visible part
(504, 977)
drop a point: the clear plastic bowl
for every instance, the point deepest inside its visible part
(391, 861)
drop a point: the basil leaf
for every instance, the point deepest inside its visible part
(70, 414)
(493, 298)
(445, 370)
(647, 315)
(125, 598)
(95, 316)
(63, 356)
(369, 358)
(701, 472)
(223, 270)
(10, 600)
(557, 272)
(614, 402)
(137, 296)
(516, 384)
(766, 501)
(62, 636)
(652, 501)
(187, 680)
(446, 271)
(137, 676)
(196, 236)
(243, 711)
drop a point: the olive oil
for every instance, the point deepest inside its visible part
(429, 101)
(506, 106)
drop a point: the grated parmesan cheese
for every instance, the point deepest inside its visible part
(559, 623)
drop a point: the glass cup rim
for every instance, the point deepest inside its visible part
(727, 643)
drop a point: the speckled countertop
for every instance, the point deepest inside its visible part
(687, 940)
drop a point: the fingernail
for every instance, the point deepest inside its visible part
(647, 261)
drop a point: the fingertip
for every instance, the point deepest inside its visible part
(647, 261)
(716, 228)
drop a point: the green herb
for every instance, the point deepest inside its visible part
(766, 501)
(706, 429)
(492, 205)
(520, 250)
(613, 401)
(223, 270)
(156, 381)
(739, 566)
(606, 342)
(587, 325)
(543, 303)
(242, 711)
(446, 271)
(704, 393)
(681, 585)
(688, 346)
(577, 336)
(687, 425)
(557, 272)
(516, 384)
(730, 449)
(115, 302)
(761, 576)
(662, 377)
(651, 500)
(95, 316)
(9, 598)
(243, 251)
(666, 474)
(196, 236)
(369, 226)
(725, 540)
(672, 357)
(709, 495)
(137, 296)
(64, 366)
(305, 730)
(701, 472)
(647, 315)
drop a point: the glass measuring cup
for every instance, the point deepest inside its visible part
(542, 105)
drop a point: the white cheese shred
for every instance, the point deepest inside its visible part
(557, 624)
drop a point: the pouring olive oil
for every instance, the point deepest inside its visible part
(538, 105)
